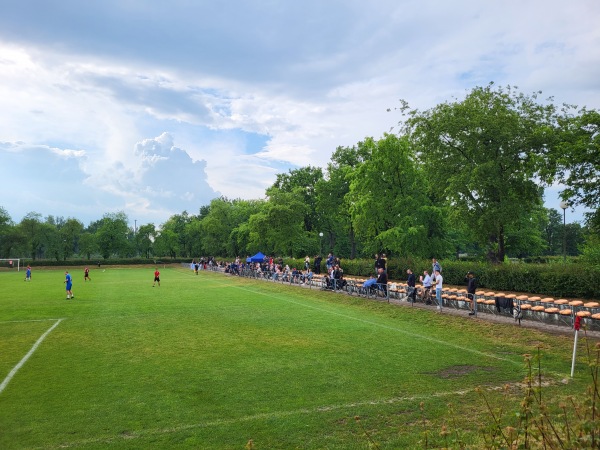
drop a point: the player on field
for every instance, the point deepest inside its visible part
(69, 285)
(28, 274)
(156, 278)
(86, 276)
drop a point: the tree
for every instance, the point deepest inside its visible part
(87, 244)
(144, 239)
(10, 236)
(217, 226)
(30, 227)
(552, 232)
(176, 225)
(279, 227)
(69, 234)
(389, 202)
(301, 182)
(167, 243)
(577, 161)
(333, 203)
(483, 154)
(112, 235)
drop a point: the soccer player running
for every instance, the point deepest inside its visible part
(156, 278)
(69, 285)
(86, 276)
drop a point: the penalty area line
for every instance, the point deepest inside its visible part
(27, 356)
(28, 320)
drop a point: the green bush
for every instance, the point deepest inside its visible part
(553, 279)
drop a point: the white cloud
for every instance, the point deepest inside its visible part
(197, 99)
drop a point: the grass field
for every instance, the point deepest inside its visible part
(213, 361)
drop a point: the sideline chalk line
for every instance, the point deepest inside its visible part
(27, 356)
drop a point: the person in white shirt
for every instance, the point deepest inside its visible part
(438, 288)
(426, 280)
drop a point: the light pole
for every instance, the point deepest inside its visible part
(321, 243)
(564, 205)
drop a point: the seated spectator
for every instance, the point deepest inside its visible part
(296, 275)
(370, 282)
(307, 276)
(338, 277)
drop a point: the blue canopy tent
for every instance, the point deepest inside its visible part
(259, 257)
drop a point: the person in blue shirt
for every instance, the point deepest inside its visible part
(329, 261)
(28, 274)
(435, 267)
(69, 285)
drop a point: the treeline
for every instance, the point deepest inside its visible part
(463, 178)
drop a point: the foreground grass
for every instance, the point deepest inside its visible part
(212, 361)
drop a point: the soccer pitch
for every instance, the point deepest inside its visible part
(214, 361)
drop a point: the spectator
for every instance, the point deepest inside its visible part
(439, 279)
(317, 263)
(329, 261)
(338, 278)
(369, 283)
(471, 288)
(435, 267)
(307, 276)
(411, 292)
(426, 280)
(382, 280)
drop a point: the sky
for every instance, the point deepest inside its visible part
(154, 108)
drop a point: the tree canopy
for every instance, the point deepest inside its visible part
(466, 176)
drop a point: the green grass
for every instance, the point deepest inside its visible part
(213, 361)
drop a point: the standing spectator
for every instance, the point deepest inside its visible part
(471, 288)
(329, 261)
(156, 277)
(380, 262)
(86, 275)
(28, 274)
(317, 263)
(307, 262)
(69, 285)
(426, 280)
(435, 267)
(439, 279)
(411, 282)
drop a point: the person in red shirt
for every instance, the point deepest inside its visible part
(156, 278)
(86, 275)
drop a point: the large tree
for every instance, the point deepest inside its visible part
(301, 182)
(111, 236)
(389, 202)
(577, 160)
(483, 154)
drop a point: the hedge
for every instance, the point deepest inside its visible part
(554, 279)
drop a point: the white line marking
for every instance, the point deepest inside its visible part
(28, 320)
(27, 356)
